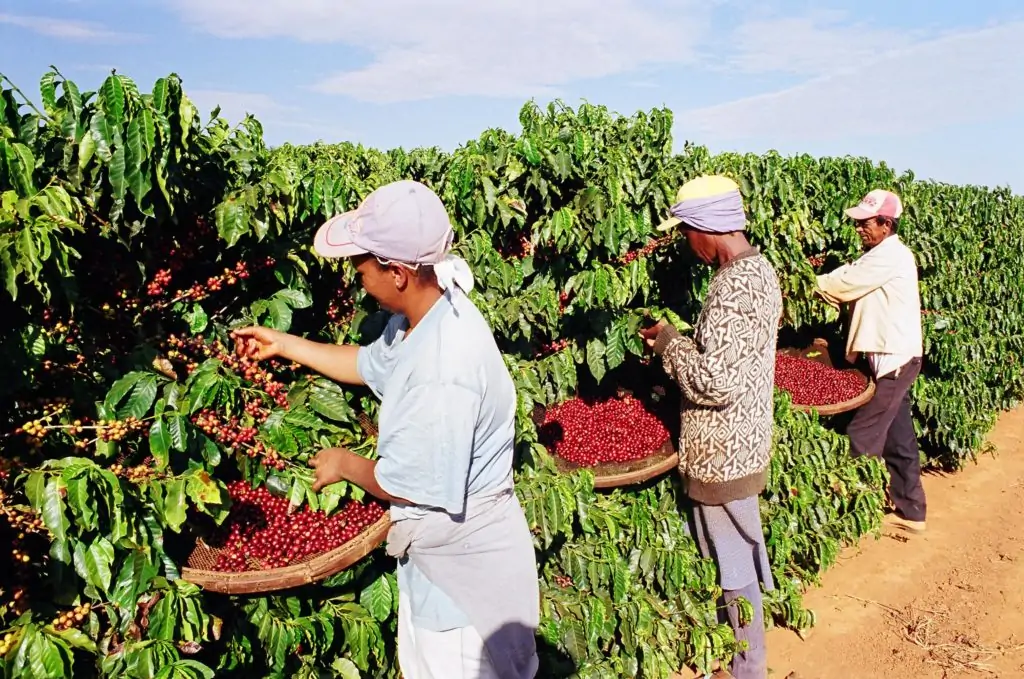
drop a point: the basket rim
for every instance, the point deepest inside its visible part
(828, 409)
(617, 474)
(318, 568)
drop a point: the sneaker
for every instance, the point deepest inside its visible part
(898, 521)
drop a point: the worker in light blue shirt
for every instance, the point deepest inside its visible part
(467, 574)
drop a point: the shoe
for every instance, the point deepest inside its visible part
(898, 521)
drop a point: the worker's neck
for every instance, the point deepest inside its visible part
(731, 246)
(418, 304)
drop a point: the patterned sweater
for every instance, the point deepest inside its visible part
(727, 374)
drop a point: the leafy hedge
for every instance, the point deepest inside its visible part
(134, 234)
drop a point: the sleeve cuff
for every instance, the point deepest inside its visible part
(667, 335)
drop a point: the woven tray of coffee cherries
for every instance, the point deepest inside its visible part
(813, 382)
(266, 544)
(622, 440)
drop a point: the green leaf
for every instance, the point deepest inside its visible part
(133, 579)
(112, 94)
(377, 599)
(53, 509)
(596, 358)
(345, 668)
(77, 639)
(159, 442)
(174, 504)
(232, 219)
(177, 432)
(121, 388)
(329, 400)
(142, 398)
(297, 299)
(280, 315)
(197, 319)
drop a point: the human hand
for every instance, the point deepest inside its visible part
(650, 335)
(258, 343)
(329, 464)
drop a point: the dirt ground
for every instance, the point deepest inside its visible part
(949, 603)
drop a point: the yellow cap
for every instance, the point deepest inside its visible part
(701, 187)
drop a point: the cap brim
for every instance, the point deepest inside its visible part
(669, 224)
(334, 238)
(859, 213)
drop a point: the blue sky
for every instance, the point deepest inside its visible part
(932, 86)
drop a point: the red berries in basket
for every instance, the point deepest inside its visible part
(811, 383)
(259, 533)
(616, 430)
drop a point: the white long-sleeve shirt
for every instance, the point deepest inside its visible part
(885, 319)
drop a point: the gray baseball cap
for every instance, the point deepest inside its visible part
(403, 222)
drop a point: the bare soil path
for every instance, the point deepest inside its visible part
(943, 605)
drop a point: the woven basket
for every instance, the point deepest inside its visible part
(311, 569)
(618, 474)
(821, 349)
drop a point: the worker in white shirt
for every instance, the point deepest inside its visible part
(885, 326)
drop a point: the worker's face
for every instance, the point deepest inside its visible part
(384, 283)
(703, 245)
(872, 231)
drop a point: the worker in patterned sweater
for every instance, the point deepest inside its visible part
(726, 373)
(885, 326)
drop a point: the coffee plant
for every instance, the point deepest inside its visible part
(135, 233)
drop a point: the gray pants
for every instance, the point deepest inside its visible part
(884, 427)
(752, 663)
(732, 535)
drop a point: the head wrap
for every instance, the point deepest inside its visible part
(715, 214)
(711, 203)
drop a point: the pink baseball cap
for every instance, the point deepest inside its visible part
(878, 203)
(403, 222)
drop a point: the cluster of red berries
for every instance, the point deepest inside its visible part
(645, 250)
(158, 285)
(520, 249)
(341, 310)
(552, 348)
(246, 367)
(588, 433)
(564, 581)
(816, 260)
(233, 435)
(261, 532)
(216, 283)
(563, 301)
(811, 383)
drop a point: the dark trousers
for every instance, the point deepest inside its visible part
(885, 427)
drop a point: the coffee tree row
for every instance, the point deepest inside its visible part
(134, 234)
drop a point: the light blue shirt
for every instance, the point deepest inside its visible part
(446, 429)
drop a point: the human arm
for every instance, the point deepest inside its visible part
(336, 362)
(340, 464)
(853, 281)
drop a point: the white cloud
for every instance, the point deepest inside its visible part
(967, 77)
(66, 29)
(818, 43)
(498, 48)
